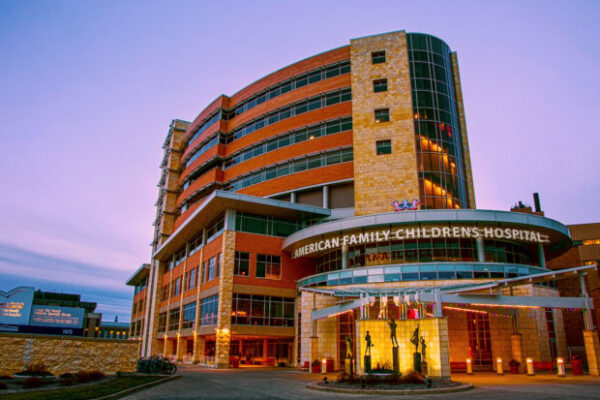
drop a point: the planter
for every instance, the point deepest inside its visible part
(514, 369)
(316, 369)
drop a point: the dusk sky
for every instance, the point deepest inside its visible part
(88, 90)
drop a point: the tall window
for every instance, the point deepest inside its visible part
(268, 266)
(204, 272)
(174, 319)
(211, 268)
(241, 263)
(249, 309)
(164, 292)
(189, 315)
(176, 287)
(162, 322)
(190, 279)
(209, 308)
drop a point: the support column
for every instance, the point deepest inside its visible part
(592, 350)
(293, 197)
(344, 256)
(165, 349)
(181, 347)
(541, 256)
(516, 348)
(480, 250)
(325, 196)
(199, 344)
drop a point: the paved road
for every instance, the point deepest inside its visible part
(287, 384)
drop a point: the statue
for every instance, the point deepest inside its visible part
(423, 348)
(393, 338)
(415, 339)
(416, 355)
(369, 344)
(348, 346)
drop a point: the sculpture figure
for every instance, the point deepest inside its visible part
(393, 338)
(369, 344)
(423, 348)
(415, 339)
(348, 346)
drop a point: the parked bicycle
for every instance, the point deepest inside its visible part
(156, 365)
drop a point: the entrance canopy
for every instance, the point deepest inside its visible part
(475, 294)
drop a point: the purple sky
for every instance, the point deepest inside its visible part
(88, 89)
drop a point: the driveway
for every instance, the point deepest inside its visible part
(289, 384)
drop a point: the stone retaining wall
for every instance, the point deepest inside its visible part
(67, 354)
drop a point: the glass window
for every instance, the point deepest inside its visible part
(189, 315)
(268, 266)
(174, 319)
(382, 115)
(378, 57)
(383, 147)
(209, 310)
(241, 264)
(380, 85)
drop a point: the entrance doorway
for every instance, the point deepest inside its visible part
(480, 344)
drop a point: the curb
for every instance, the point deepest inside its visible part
(459, 388)
(137, 388)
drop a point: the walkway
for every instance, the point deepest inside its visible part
(288, 384)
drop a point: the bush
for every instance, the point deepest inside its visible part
(5, 377)
(83, 377)
(413, 377)
(3, 386)
(96, 375)
(36, 367)
(69, 381)
(33, 382)
(66, 375)
(393, 379)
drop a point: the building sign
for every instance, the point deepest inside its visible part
(434, 232)
(15, 306)
(54, 316)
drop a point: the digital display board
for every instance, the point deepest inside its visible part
(54, 316)
(15, 306)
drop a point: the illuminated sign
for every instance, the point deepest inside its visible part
(435, 232)
(54, 316)
(15, 306)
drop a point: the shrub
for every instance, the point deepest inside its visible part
(68, 381)
(5, 377)
(83, 377)
(393, 379)
(96, 375)
(33, 382)
(413, 377)
(66, 375)
(3, 386)
(36, 367)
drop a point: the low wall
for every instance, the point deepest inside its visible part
(63, 354)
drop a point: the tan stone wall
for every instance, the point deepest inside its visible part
(324, 343)
(67, 354)
(458, 335)
(433, 330)
(381, 179)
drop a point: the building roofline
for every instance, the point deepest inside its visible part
(143, 269)
(220, 200)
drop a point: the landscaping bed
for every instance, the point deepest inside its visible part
(17, 390)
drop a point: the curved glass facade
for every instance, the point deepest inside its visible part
(426, 251)
(420, 272)
(440, 161)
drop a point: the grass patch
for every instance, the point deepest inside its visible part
(86, 392)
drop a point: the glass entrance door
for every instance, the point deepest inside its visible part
(480, 345)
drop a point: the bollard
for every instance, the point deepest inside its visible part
(469, 367)
(530, 371)
(324, 366)
(499, 369)
(560, 366)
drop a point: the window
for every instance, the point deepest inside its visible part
(164, 292)
(378, 57)
(384, 147)
(249, 309)
(211, 268)
(382, 115)
(215, 227)
(190, 279)
(176, 287)
(189, 315)
(174, 319)
(209, 310)
(204, 272)
(241, 264)
(380, 85)
(268, 266)
(162, 322)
